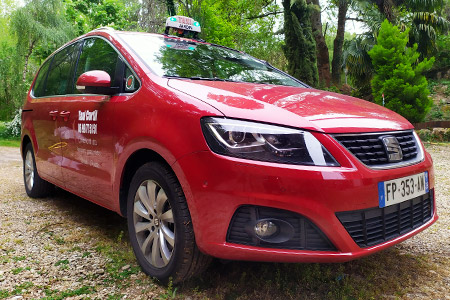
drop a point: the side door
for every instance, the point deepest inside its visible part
(48, 92)
(88, 129)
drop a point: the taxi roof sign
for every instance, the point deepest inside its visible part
(184, 23)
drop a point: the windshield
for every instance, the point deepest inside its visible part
(172, 57)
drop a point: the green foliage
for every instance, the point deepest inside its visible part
(443, 53)
(300, 48)
(426, 24)
(11, 89)
(434, 135)
(170, 293)
(239, 24)
(91, 14)
(439, 112)
(36, 28)
(7, 6)
(359, 65)
(13, 128)
(398, 75)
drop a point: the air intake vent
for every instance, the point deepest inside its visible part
(306, 235)
(374, 226)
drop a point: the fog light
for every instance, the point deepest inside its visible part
(265, 228)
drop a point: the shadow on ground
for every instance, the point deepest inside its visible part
(388, 273)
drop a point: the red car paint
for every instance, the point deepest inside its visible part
(164, 116)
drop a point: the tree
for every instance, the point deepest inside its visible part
(397, 75)
(426, 24)
(10, 83)
(247, 25)
(35, 28)
(421, 16)
(153, 14)
(300, 48)
(359, 65)
(336, 64)
(323, 57)
(91, 14)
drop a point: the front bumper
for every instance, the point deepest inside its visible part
(216, 186)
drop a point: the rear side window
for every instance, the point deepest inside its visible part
(39, 85)
(97, 54)
(60, 75)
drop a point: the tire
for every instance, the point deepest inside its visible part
(35, 186)
(160, 226)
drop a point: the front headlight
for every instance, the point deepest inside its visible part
(264, 142)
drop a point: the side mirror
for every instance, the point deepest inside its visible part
(96, 82)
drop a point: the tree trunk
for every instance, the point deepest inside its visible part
(27, 58)
(339, 43)
(171, 7)
(386, 7)
(323, 57)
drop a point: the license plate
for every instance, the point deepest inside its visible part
(401, 189)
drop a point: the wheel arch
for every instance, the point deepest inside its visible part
(134, 161)
(25, 141)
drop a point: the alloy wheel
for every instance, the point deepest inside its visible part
(154, 223)
(29, 170)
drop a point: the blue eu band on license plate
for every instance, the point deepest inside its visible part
(402, 189)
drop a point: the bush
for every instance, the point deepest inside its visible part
(398, 76)
(435, 135)
(12, 129)
(439, 112)
(424, 134)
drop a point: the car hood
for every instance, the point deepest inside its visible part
(305, 108)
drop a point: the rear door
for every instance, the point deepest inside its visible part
(54, 77)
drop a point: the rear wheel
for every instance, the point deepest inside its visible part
(35, 186)
(160, 226)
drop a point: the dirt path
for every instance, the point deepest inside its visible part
(64, 247)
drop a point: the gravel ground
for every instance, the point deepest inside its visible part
(64, 247)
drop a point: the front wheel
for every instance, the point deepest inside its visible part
(35, 186)
(160, 226)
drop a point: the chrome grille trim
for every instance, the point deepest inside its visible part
(340, 138)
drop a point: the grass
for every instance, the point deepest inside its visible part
(386, 273)
(59, 295)
(10, 142)
(100, 233)
(7, 141)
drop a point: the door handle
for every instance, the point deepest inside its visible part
(53, 114)
(65, 115)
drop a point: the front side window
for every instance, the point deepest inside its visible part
(97, 54)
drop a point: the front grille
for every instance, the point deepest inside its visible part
(369, 148)
(306, 236)
(374, 226)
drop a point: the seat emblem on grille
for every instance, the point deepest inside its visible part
(393, 149)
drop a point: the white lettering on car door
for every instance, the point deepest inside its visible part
(83, 118)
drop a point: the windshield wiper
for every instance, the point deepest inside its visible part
(199, 78)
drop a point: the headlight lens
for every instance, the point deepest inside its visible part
(264, 142)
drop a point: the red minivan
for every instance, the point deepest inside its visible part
(209, 152)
